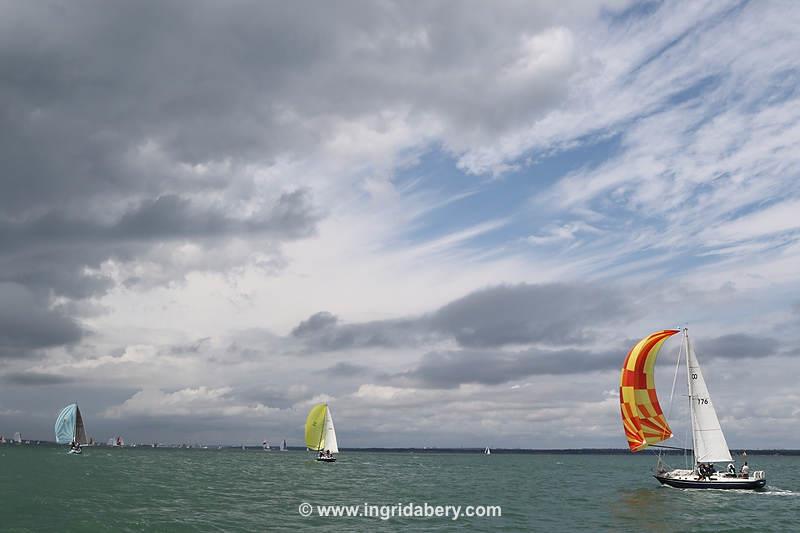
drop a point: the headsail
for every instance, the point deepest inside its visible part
(642, 418)
(709, 441)
(330, 434)
(315, 427)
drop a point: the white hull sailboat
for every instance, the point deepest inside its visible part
(487, 451)
(70, 430)
(283, 446)
(645, 425)
(320, 433)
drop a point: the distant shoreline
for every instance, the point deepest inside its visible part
(498, 451)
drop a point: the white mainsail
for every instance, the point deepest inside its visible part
(709, 441)
(330, 434)
(18, 437)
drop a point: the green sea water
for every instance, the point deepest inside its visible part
(44, 489)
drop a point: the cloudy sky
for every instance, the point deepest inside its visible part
(451, 220)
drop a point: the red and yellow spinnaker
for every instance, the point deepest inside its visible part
(642, 417)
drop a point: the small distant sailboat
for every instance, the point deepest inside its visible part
(645, 425)
(17, 437)
(2, 439)
(69, 428)
(320, 433)
(119, 443)
(487, 451)
(265, 445)
(283, 446)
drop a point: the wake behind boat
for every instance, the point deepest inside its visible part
(645, 424)
(320, 433)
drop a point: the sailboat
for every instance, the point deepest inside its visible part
(17, 437)
(487, 451)
(283, 446)
(69, 428)
(320, 433)
(645, 425)
(265, 445)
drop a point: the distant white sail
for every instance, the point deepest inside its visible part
(283, 446)
(709, 441)
(18, 437)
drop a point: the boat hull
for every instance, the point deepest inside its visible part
(326, 459)
(713, 483)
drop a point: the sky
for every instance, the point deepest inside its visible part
(450, 220)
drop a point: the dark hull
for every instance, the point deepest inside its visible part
(326, 459)
(744, 484)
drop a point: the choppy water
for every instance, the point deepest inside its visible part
(43, 489)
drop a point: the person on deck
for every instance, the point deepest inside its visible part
(702, 471)
(745, 470)
(731, 469)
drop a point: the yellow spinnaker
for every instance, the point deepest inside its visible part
(315, 427)
(642, 418)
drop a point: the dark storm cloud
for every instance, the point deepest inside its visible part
(737, 346)
(453, 368)
(553, 314)
(344, 369)
(35, 379)
(116, 117)
(163, 218)
(322, 332)
(450, 369)
(89, 85)
(190, 348)
(521, 314)
(27, 323)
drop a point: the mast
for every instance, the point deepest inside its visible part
(689, 393)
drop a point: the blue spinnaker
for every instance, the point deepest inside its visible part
(65, 424)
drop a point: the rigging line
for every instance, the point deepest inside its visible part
(668, 447)
(675, 379)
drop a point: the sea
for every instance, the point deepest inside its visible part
(42, 488)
